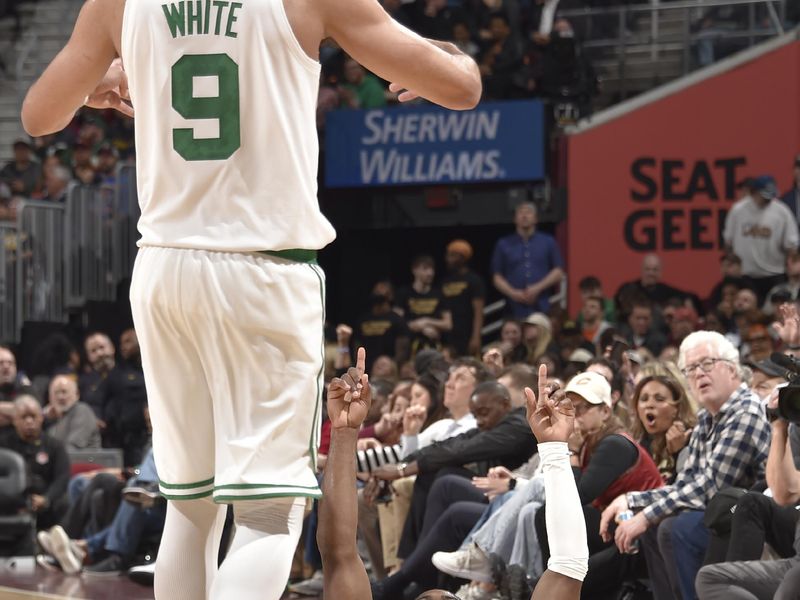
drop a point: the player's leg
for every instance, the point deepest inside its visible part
(182, 418)
(263, 357)
(258, 563)
(187, 556)
(566, 528)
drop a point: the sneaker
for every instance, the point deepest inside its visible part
(143, 574)
(145, 494)
(48, 563)
(309, 587)
(111, 566)
(57, 544)
(470, 564)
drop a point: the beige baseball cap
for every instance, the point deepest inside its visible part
(592, 387)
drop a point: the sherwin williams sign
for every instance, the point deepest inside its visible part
(423, 145)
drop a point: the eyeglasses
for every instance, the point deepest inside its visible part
(705, 365)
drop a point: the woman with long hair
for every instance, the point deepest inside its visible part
(664, 415)
(537, 332)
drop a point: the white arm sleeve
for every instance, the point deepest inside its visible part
(566, 527)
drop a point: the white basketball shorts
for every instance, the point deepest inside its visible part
(232, 351)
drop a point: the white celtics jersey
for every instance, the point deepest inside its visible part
(226, 142)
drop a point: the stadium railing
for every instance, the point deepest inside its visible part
(56, 257)
(611, 33)
(39, 255)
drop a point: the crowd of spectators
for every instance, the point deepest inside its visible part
(522, 48)
(671, 393)
(87, 152)
(69, 407)
(669, 389)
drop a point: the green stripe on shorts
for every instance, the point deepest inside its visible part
(293, 254)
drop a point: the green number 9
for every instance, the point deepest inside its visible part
(224, 107)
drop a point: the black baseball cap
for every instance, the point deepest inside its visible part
(767, 367)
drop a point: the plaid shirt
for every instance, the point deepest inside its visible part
(726, 450)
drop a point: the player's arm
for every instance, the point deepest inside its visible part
(349, 400)
(436, 71)
(76, 72)
(551, 418)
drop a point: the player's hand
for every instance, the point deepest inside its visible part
(112, 91)
(552, 416)
(403, 95)
(349, 397)
(620, 504)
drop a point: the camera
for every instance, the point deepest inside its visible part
(789, 394)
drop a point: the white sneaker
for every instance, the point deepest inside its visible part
(61, 547)
(46, 543)
(471, 564)
(309, 587)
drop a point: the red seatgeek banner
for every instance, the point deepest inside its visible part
(662, 177)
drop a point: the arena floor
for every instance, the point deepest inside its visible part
(47, 585)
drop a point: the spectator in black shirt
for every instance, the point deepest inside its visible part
(126, 399)
(465, 294)
(116, 393)
(639, 331)
(500, 59)
(46, 464)
(566, 72)
(649, 285)
(423, 306)
(381, 331)
(100, 356)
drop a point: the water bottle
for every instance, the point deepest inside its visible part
(626, 516)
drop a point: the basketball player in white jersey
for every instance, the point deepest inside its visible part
(227, 298)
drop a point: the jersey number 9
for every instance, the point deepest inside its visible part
(224, 107)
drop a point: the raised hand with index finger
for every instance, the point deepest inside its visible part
(349, 397)
(551, 416)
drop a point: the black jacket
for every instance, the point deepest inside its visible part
(510, 443)
(47, 465)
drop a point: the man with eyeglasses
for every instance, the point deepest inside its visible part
(728, 448)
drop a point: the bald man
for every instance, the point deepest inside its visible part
(649, 285)
(70, 421)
